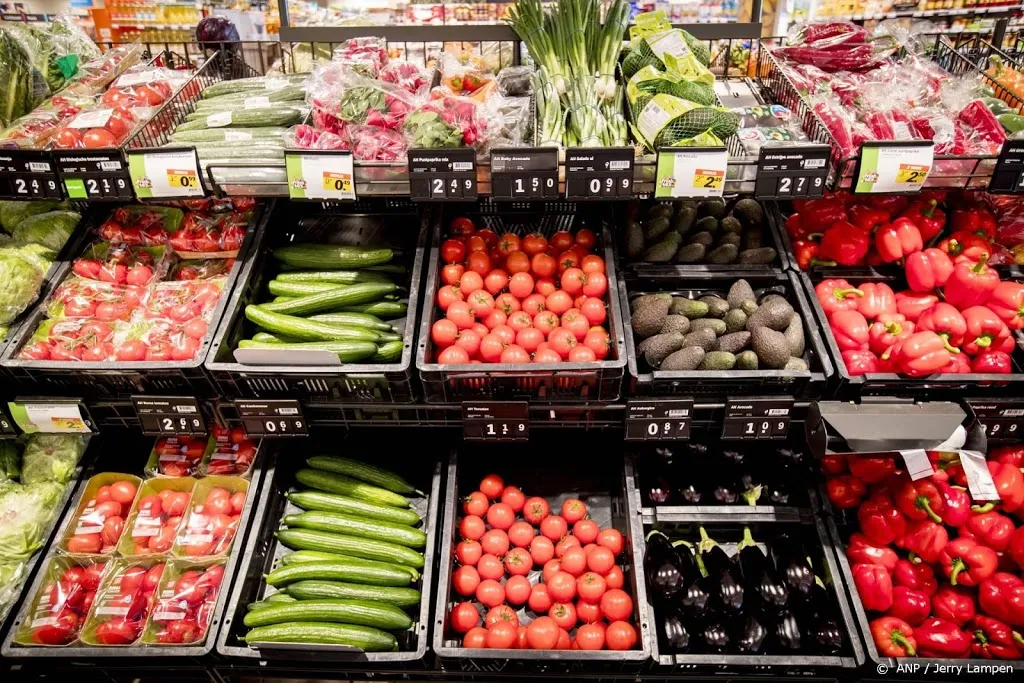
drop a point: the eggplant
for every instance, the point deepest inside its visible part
(787, 632)
(692, 601)
(660, 491)
(750, 636)
(697, 450)
(777, 490)
(691, 494)
(794, 567)
(760, 577)
(820, 627)
(663, 566)
(733, 457)
(752, 488)
(725, 494)
(676, 634)
(713, 635)
(723, 572)
(789, 456)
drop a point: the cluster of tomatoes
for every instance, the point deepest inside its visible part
(97, 129)
(212, 524)
(177, 456)
(116, 263)
(216, 233)
(124, 605)
(579, 584)
(186, 605)
(77, 297)
(99, 527)
(64, 603)
(157, 518)
(515, 300)
(151, 94)
(188, 301)
(233, 453)
(136, 226)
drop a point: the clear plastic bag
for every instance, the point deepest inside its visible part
(184, 608)
(370, 143)
(141, 225)
(93, 76)
(365, 56)
(187, 302)
(58, 610)
(22, 268)
(201, 269)
(99, 519)
(202, 235)
(101, 128)
(177, 456)
(233, 454)
(514, 81)
(408, 76)
(450, 122)
(123, 602)
(77, 297)
(353, 99)
(121, 263)
(304, 136)
(464, 78)
(212, 520)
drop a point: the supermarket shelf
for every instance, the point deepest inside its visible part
(927, 14)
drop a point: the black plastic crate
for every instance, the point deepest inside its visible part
(119, 379)
(939, 386)
(807, 385)
(263, 553)
(598, 482)
(565, 382)
(354, 382)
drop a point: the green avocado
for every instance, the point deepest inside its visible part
(717, 360)
(690, 308)
(683, 360)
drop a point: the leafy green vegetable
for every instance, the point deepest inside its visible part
(428, 129)
(14, 212)
(12, 575)
(25, 513)
(10, 460)
(50, 457)
(15, 78)
(22, 267)
(51, 229)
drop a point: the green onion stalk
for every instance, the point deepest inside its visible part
(616, 129)
(527, 18)
(550, 119)
(608, 45)
(586, 122)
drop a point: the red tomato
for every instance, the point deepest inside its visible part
(593, 309)
(592, 264)
(562, 586)
(587, 612)
(521, 285)
(131, 350)
(562, 341)
(545, 321)
(572, 280)
(489, 237)
(569, 259)
(535, 509)
(502, 635)
(475, 504)
(99, 138)
(501, 613)
(505, 333)
(590, 637)
(85, 543)
(616, 604)
(564, 614)
(501, 516)
(495, 542)
(112, 528)
(620, 636)
(453, 355)
(461, 314)
(490, 593)
(565, 544)
(518, 562)
(597, 340)
(585, 530)
(152, 577)
(491, 347)
(490, 567)
(453, 251)
(465, 580)
(481, 303)
(461, 226)
(595, 284)
(533, 304)
(495, 319)
(534, 243)
(476, 243)
(529, 338)
(517, 590)
(68, 138)
(574, 321)
(590, 586)
(545, 286)
(574, 560)
(543, 265)
(508, 243)
(470, 282)
(507, 303)
(451, 273)
(539, 600)
(468, 552)
(464, 616)
(479, 263)
(601, 560)
(542, 633)
(476, 637)
(541, 549)
(132, 579)
(550, 568)
(237, 502)
(514, 498)
(520, 320)
(561, 241)
(558, 302)
(586, 239)
(514, 354)
(448, 295)
(615, 578)
(103, 494)
(472, 528)
(611, 539)
(116, 632)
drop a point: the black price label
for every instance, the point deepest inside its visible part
(1008, 176)
(94, 174)
(7, 427)
(28, 174)
(757, 418)
(437, 175)
(658, 419)
(798, 171)
(1002, 421)
(599, 173)
(169, 415)
(524, 173)
(496, 421)
(272, 418)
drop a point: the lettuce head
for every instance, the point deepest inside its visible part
(50, 458)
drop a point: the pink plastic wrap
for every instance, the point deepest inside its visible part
(450, 122)
(365, 56)
(825, 35)
(304, 136)
(351, 99)
(370, 143)
(408, 76)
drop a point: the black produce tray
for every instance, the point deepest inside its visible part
(565, 382)
(802, 386)
(601, 484)
(119, 379)
(101, 657)
(815, 540)
(356, 382)
(933, 387)
(263, 554)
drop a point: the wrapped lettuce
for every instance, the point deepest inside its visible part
(14, 212)
(25, 514)
(10, 460)
(22, 267)
(50, 458)
(51, 230)
(12, 575)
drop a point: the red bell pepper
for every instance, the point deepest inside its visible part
(1009, 481)
(956, 504)
(927, 216)
(880, 520)
(920, 577)
(959, 364)
(844, 243)
(889, 359)
(943, 639)
(1002, 596)
(845, 491)
(945, 321)
(887, 330)
(850, 330)
(922, 353)
(928, 269)
(871, 470)
(970, 285)
(966, 244)
(878, 299)
(795, 227)
(837, 295)
(995, 640)
(832, 463)
(1016, 547)
(893, 637)
(953, 604)
(992, 363)
(974, 219)
(806, 253)
(874, 585)
(898, 240)
(910, 605)
(1007, 301)
(967, 563)
(984, 330)
(860, 363)
(867, 218)
(1008, 455)
(861, 550)
(917, 500)
(989, 528)
(825, 211)
(912, 305)
(924, 540)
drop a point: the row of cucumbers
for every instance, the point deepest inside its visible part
(341, 299)
(357, 553)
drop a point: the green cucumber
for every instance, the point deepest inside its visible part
(346, 351)
(307, 330)
(346, 486)
(361, 612)
(389, 352)
(356, 319)
(334, 298)
(365, 548)
(365, 638)
(297, 289)
(346, 277)
(362, 471)
(327, 256)
(281, 299)
(275, 338)
(320, 590)
(275, 598)
(384, 309)
(330, 502)
(337, 570)
(337, 523)
(299, 556)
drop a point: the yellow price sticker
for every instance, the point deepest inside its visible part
(337, 182)
(708, 179)
(184, 179)
(912, 173)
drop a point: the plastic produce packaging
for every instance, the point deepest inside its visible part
(101, 128)
(234, 453)
(141, 225)
(365, 56)
(450, 121)
(177, 456)
(340, 97)
(77, 297)
(121, 263)
(98, 522)
(50, 457)
(185, 602)
(211, 523)
(123, 602)
(25, 514)
(185, 301)
(202, 235)
(156, 516)
(408, 76)
(58, 610)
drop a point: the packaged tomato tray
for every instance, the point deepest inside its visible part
(178, 456)
(121, 263)
(203, 235)
(156, 516)
(233, 454)
(58, 610)
(98, 521)
(123, 602)
(212, 520)
(78, 297)
(141, 225)
(186, 600)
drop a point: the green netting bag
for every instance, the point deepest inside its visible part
(651, 81)
(671, 49)
(667, 121)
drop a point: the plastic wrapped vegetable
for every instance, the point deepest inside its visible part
(25, 513)
(16, 78)
(408, 76)
(22, 267)
(364, 56)
(10, 460)
(448, 122)
(52, 230)
(50, 457)
(14, 212)
(12, 575)
(304, 136)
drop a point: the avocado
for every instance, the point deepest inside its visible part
(740, 292)
(730, 238)
(645, 299)
(797, 365)
(648, 318)
(770, 346)
(731, 224)
(733, 343)
(688, 307)
(735, 320)
(759, 257)
(773, 313)
(683, 221)
(659, 210)
(661, 252)
(753, 239)
(703, 238)
(794, 333)
(717, 306)
(714, 324)
(746, 361)
(660, 346)
(634, 240)
(749, 307)
(683, 360)
(676, 323)
(717, 360)
(705, 339)
(707, 224)
(711, 207)
(655, 228)
(749, 211)
(723, 254)
(691, 253)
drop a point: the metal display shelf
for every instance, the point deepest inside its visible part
(990, 10)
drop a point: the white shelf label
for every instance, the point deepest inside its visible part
(894, 167)
(693, 172)
(165, 174)
(320, 176)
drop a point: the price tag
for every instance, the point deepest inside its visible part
(7, 427)
(593, 173)
(94, 174)
(165, 173)
(496, 421)
(798, 171)
(658, 419)
(51, 416)
(437, 175)
(979, 479)
(1008, 176)
(917, 463)
(894, 167)
(272, 418)
(757, 418)
(524, 173)
(320, 175)
(169, 415)
(1002, 421)
(28, 174)
(690, 172)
